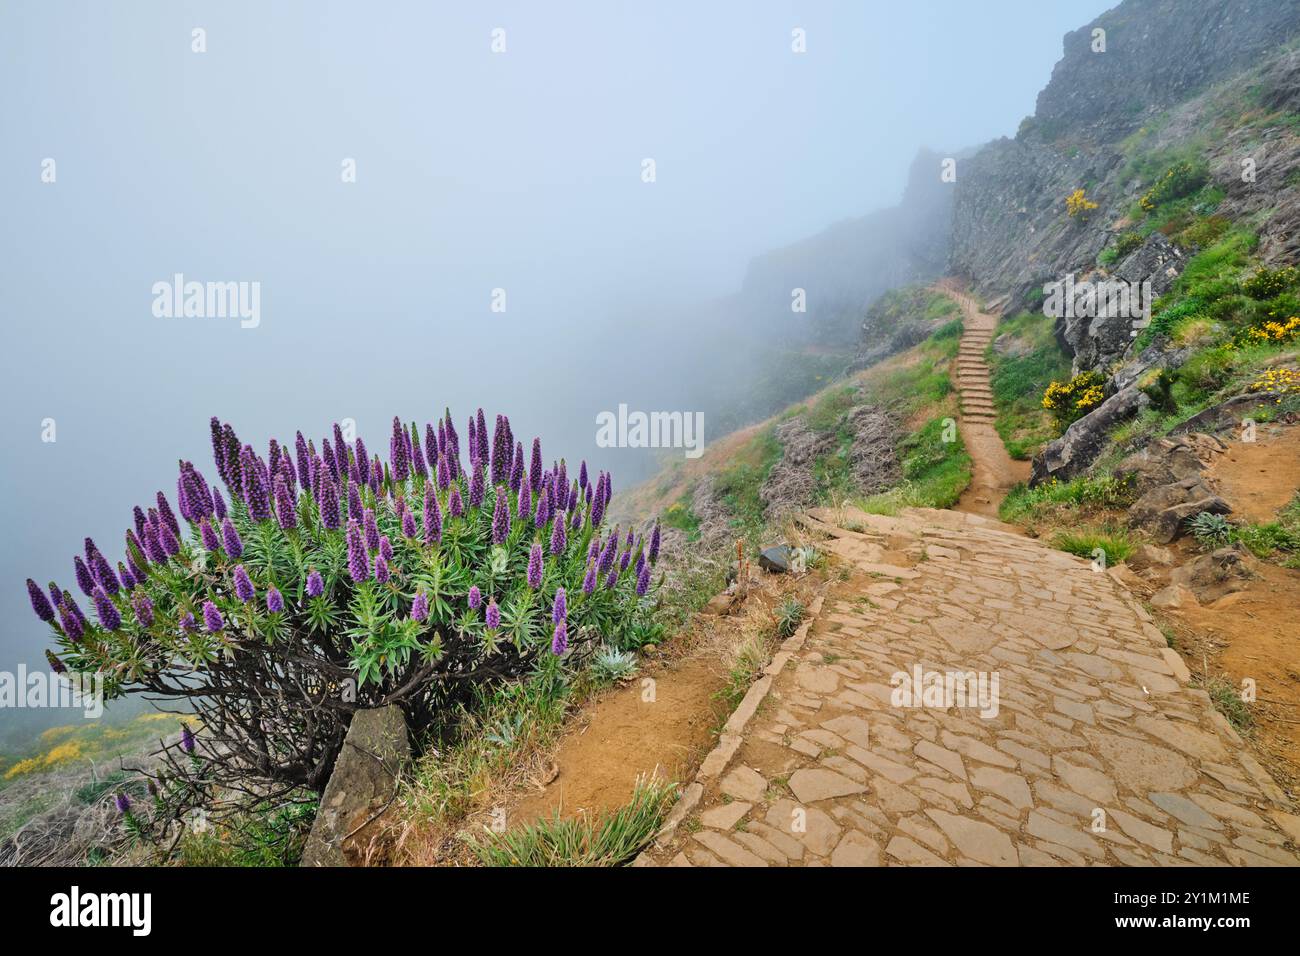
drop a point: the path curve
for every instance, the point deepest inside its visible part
(994, 472)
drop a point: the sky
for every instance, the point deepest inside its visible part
(475, 170)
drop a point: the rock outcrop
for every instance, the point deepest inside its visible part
(362, 786)
(1076, 450)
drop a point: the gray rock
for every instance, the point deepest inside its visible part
(1225, 416)
(775, 559)
(1163, 510)
(1150, 556)
(361, 787)
(1083, 441)
(1211, 576)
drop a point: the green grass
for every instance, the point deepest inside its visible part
(1227, 701)
(739, 483)
(935, 472)
(490, 738)
(1018, 382)
(680, 516)
(610, 839)
(1114, 543)
(266, 837)
(1085, 493)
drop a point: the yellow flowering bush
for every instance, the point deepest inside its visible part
(1071, 400)
(1275, 331)
(1077, 204)
(1278, 381)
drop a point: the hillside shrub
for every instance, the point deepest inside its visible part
(323, 582)
(1179, 180)
(1070, 401)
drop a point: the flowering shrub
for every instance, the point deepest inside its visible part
(1276, 331)
(1068, 401)
(1077, 204)
(1181, 179)
(324, 581)
(1277, 381)
(1270, 283)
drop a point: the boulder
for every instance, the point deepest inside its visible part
(775, 560)
(1175, 596)
(1084, 441)
(360, 789)
(1214, 575)
(1226, 416)
(1168, 460)
(1150, 556)
(1163, 510)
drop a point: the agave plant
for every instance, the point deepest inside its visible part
(324, 581)
(609, 664)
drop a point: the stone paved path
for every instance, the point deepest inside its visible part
(1099, 753)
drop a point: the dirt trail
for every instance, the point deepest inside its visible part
(994, 471)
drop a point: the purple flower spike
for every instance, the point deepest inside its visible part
(209, 534)
(643, 581)
(329, 504)
(475, 597)
(517, 468)
(303, 460)
(654, 544)
(575, 522)
(354, 502)
(417, 455)
(84, 580)
(376, 476)
(70, 622)
(493, 616)
(284, 504)
(358, 560)
(187, 739)
(611, 579)
(535, 567)
(589, 582)
(398, 451)
(381, 569)
(188, 623)
(543, 508)
(559, 540)
(623, 560)
(455, 507)
(560, 639)
(234, 547)
(444, 472)
(274, 600)
(371, 529)
(363, 461)
(582, 475)
(109, 619)
(524, 506)
(560, 610)
(420, 607)
(432, 516)
(385, 548)
(218, 503)
(408, 525)
(431, 447)
(137, 513)
(40, 603)
(123, 803)
(124, 574)
(315, 584)
(143, 608)
(170, 544)
(477, 490)
(535, 467)
(500, 518)
(244, 589)
(165, 511)
(255, 492)
(56, 665)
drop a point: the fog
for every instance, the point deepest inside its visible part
(475, 171)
